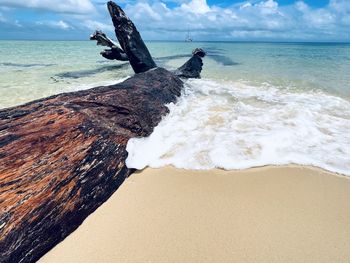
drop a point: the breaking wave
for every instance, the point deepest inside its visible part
(236, 126)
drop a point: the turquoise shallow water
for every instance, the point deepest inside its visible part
(33, 69)
(256, 104)
(286, 65)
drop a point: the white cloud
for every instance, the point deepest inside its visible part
(61, 6)
(301, 6)
(196, 6)
(95, 25)
(63, 25)
(245, 5)
(250, 19)
(266, 7)
(262, 19)
(145, 10)
(55, 24)
(8, 22)
(341, 6)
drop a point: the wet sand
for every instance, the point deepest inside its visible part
(269, 214)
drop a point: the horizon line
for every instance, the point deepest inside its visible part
(199, 41)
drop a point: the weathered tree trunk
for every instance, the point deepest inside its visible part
(134, 49)
(193, 67)
(63, 156)
(130, 40)
(114, 52)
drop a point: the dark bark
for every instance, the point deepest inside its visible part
(130, 40)
(62, 157)
(102, 39)
(114, 53)
(135, 50)
(193, 67)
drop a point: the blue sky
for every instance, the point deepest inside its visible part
(235, 20)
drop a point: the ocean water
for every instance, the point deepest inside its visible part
(256, 104)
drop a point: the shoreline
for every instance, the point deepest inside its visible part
(265, 214)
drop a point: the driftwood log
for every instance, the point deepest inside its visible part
(63, 156)
(134, 50)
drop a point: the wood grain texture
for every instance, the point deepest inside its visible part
(62, 157)
(130, 39)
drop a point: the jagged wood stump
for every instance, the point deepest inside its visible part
(63, 156)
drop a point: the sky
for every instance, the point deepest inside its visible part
(207, 20)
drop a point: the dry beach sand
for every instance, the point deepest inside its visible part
(269, 214)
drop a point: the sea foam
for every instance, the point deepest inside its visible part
(237, 126)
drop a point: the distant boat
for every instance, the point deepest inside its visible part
(188, 37)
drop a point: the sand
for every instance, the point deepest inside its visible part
(269, 214)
